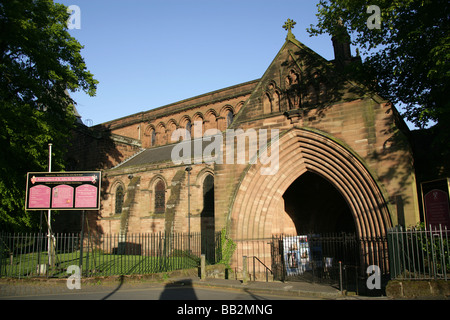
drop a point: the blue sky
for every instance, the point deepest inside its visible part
(149, 53)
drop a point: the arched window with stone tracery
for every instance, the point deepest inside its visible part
(160, 197)
(119, 199)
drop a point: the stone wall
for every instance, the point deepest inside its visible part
(418, 289)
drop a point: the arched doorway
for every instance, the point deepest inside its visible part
(326, 172)
(260, 197)
(316, 206)
(207, 219)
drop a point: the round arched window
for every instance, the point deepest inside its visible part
(230, 117)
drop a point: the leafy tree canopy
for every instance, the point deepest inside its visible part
(40, 62)
(408, 55)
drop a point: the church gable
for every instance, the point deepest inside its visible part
(297, 79)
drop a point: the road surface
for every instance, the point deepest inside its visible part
(152, 291)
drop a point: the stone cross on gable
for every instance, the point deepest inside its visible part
(289, 24)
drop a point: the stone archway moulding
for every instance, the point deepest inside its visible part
(302, 150)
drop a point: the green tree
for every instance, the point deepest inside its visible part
(40, 62)
(408, 56)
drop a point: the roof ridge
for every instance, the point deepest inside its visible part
(129, 158)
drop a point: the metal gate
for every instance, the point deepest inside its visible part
(278, 266)
(315, 258)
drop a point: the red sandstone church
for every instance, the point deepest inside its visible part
(344, 161)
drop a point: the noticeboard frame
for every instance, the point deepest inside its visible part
(69, 190)
(442, 186)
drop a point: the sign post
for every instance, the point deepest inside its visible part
(79, 190)
(49, 216)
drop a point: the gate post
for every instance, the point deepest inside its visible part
(278, 267)
(203, 267)
(245, 271)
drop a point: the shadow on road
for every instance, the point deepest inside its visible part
(179, 290)
(254, 296)
(115, 290)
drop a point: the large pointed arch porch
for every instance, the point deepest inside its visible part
(300, 150)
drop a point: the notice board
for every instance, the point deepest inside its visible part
(63, 190)
(436, 195)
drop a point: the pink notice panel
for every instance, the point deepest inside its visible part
(86, 196)
(39, 197)
(62, 196)
(73, 190)
(437, 208)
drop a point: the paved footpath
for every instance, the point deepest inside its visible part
(145, 289)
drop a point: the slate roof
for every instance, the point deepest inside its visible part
(160, 154)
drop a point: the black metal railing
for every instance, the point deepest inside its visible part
(338, 259)
(260, 248)
(419, 253)
(33, 255)
(314, 258)
(256, 262)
